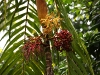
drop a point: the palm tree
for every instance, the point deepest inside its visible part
(20, 21)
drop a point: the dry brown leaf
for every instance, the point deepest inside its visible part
(41, 9)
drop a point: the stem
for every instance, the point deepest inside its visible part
(49, 68)
(23, 73)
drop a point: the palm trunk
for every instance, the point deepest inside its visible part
(42, 12)
(49, 68)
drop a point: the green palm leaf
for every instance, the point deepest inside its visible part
(18, 24)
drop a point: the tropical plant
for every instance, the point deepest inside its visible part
(87, 25)
(92, 36)
(41, 42)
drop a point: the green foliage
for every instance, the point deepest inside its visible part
(19, 19)
(19, 22)
(89, 29)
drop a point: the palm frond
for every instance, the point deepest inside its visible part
(21, 21)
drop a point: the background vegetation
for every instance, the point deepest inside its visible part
(82, 18)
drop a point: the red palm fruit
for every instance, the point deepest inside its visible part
(41, 9)
(32, 45)
(62, 40)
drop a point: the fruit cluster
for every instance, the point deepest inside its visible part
(32, 45)
(62, 40)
